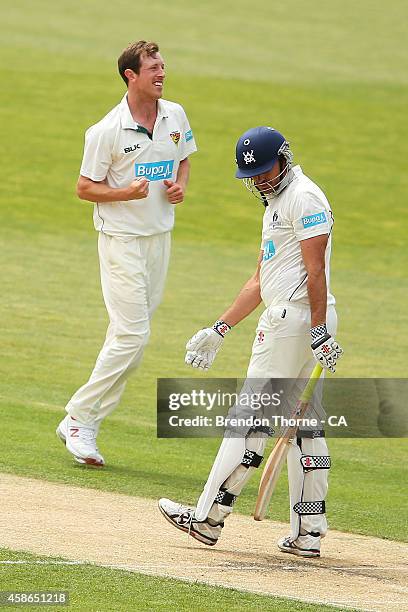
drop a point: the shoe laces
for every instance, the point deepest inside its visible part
(190, 511)
(88, 434)
(190, 522)
(182, 509)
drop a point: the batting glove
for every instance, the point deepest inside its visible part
(205, 344)
(325, 348)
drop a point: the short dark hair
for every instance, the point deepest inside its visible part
(131, 56)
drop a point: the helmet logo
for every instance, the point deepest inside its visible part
(246, 142)
(249, 156)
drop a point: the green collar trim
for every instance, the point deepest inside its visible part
(143, 130)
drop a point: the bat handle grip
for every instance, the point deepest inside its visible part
(308, 390)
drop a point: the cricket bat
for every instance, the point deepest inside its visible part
(277, 458)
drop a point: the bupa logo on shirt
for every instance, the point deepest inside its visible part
(188, 135)
(269, 250)
(313, 220)
(155, 171)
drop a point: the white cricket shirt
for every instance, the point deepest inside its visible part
(301, 211)
(118, 150)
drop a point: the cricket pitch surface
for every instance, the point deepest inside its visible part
(129, 533)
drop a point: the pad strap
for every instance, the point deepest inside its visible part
(315, 462)
(311, 507)
(225, 498)
(251, 459)
(311, 433)
(262, 429)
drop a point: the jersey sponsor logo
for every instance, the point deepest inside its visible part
(269, 250)
(313, 220)
(189, 135)
(261, 337)
(155, 171)
(132, 148)
(175, 136)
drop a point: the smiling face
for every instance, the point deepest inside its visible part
(150, 79)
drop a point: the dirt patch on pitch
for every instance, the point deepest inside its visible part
(130, 533)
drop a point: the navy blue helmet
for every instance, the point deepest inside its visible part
(257, 151)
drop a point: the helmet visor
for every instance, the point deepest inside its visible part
(267, 189)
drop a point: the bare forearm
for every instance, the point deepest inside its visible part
(317, 290)
(101, 192)
(314, 254)
(183, 173)
(246, 301)
(94, 191)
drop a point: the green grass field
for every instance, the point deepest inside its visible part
(123, 590)
(333, 79)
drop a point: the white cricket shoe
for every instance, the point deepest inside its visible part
(307, 545)
(80, 440)
(182, 517)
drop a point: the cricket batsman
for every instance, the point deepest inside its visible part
(296, 328)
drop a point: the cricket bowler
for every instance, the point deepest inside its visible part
(296, 328)
(135, 169)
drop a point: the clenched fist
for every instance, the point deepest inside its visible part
(326, 350)
(205, 344)
(138, 189)
(174, 193)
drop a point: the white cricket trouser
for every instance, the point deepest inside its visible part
(281, 349)
(133, 274)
